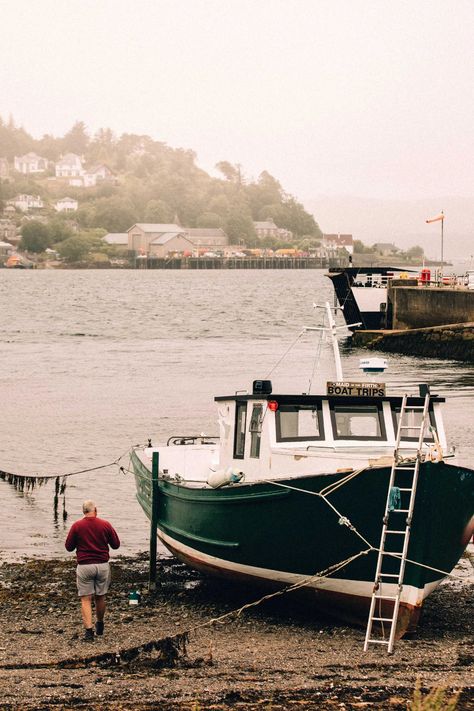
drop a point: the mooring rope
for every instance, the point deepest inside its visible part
(172, 646)
(28, 482)
(343, 520)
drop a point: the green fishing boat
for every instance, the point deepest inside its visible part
(349, 496)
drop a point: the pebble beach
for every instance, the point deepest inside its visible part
(168, 653)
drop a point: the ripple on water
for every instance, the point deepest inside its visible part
(98, 361)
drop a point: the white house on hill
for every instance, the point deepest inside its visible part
(68, 166)
(66, 204)
(30, 163)
(27, 202)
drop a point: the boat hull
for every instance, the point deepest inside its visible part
(275, 536)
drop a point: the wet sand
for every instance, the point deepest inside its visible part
(278, 655)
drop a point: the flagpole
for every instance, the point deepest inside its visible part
(442, 237)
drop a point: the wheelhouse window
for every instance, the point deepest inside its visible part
(255, 430)
(240, 423)
(413, 419)
(357, 422)
(299, 423)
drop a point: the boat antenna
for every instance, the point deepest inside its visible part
(332, 329)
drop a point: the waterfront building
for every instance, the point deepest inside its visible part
(268, 228)
(116, 239)
(339, 241)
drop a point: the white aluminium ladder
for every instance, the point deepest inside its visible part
(389, 534)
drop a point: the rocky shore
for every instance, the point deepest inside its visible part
(165, 653)
(452, 341)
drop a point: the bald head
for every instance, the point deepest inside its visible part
(89, 507)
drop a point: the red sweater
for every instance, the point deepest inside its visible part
(91, 538)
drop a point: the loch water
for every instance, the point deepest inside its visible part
(93, 362)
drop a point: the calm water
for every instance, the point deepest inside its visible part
(93, 362)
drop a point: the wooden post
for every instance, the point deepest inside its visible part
(153, 520)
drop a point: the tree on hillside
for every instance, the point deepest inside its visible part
(49, 147)
(158, 211)
(266, 191)
(102, 148)
(220, 205)
(14, 141)
(240, 228)
(230, 172)
(114, 215)
(78, 247)
(59, 231)
(415, 252)
(76, 140)
(209, 219)
(361, 248)
(35, 237)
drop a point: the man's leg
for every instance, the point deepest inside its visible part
(100, 607)
(86, 610)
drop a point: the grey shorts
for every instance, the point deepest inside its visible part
(93, 579)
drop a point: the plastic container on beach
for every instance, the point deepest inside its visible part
(134, 597)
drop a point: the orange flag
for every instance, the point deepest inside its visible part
(437, 218)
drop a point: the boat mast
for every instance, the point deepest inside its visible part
(335, 344)
(333, 329)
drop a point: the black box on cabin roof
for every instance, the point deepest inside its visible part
(262, 387)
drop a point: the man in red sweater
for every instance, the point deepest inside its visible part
(91, 537)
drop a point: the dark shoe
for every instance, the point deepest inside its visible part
(99, 628)
(89, 635)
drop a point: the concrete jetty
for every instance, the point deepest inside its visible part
(452, 341)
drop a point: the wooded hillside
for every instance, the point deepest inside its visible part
(152, 183)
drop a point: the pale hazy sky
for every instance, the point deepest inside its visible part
(359, 97)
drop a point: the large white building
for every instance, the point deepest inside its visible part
(25, 202)
(30, 163)
(69, 166)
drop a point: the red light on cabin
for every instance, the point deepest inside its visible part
(273, 405)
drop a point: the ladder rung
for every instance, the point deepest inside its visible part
(405, 468)
(410, 427)
(385, 597)
(395, 555)
(399, 511)
(399, 533)
(406, 488)
(382, 619)
(378, 641)
(389, 575)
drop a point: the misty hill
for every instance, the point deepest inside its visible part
(401, 222)
(150, 182)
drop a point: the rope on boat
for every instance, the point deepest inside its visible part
(285, 353)
(28, 482)
(171, 647)
(343, 520)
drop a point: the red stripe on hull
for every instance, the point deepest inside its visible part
(353, 609)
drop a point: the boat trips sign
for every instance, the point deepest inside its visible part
(356, 389)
